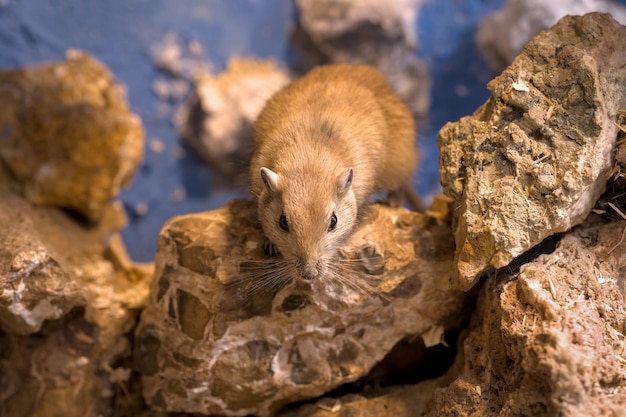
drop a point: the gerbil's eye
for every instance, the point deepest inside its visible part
(282, 222)
(333, 222)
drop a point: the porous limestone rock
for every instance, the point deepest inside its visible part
(533, 160)
(67, 134)
(217, 121)
(226, 333)
(502, 35)
(381, 34)
(68, 301)
(548, 340)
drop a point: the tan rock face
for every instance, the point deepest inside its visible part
(533, 160)
(68, 294)
(66, 311)
(35, 286)
(224, 333)
(549, 340)
(68, 136)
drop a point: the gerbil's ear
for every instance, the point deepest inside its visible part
(270, 179)
(345, 182)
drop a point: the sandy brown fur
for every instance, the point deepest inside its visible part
(310, 133)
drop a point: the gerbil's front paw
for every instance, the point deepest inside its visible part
(270, 248)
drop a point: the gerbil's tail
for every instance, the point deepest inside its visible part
(411, 197)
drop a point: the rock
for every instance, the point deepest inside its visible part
(180, 58)
(398, 400)
(67, 134)
(66, 311)
(549, 340)
(35, 286)
(502, 35)
(533, 160)
(217, 121)
(381, 34)
(335, 19)
(402, 401)
(223, 333)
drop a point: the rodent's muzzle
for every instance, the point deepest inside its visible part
(310, 270)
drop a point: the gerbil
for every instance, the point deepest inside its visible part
(323, 145)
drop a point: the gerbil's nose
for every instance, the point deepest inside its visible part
(310, 271)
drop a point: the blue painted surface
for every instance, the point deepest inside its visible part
(459, 75)
(120, 34)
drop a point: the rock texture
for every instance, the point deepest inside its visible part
(67, 305)
(533, 160)
(217, 121)
(549, 340)
(69, 295)
(381, 34)
(502, 35)
(67, 134)
(27, 258)
(223, 332)
(401, 401)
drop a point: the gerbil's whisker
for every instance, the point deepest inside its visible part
(260, 278)
(354, 280)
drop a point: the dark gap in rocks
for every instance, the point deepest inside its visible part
(127, 399)
(76, 215)
(408, 362)
(545, 247)
(70, 321)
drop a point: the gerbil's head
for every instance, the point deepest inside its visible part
(308, 217)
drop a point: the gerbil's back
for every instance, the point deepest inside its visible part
(368, 126)
(400, 154)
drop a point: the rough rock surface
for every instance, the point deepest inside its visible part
(217, 121)
(549, 340)
(381, 34)
(35, 286)
(402, 401)
(67, 135)
(69, 295)
(67, 306)
(502, 35)
(534, 159)
(224, 334)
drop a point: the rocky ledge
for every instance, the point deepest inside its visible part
(225, 332)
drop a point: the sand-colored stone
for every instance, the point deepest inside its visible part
(533, 160)
(66, 310)
(549, 340)
(68, 136)
(219, 336)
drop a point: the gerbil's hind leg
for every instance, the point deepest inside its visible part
(395, 198)
(411, 197)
